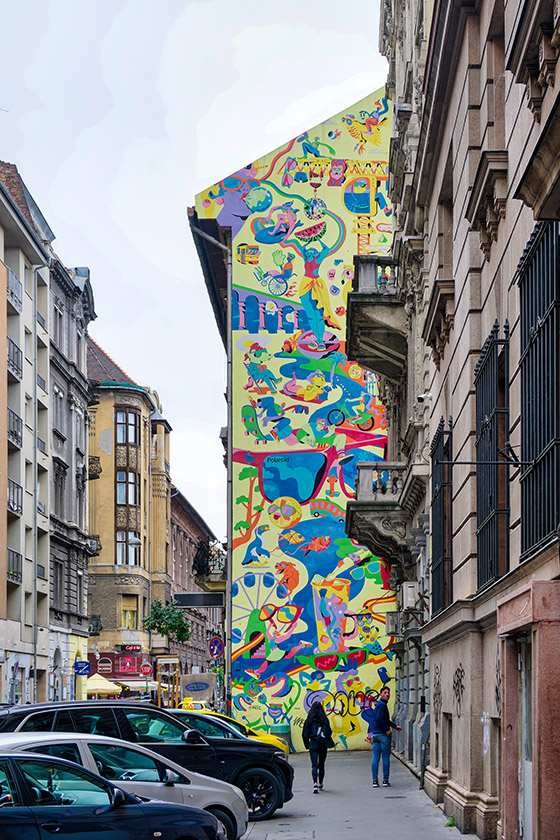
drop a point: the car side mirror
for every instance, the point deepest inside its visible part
(193, 736)
(119, 799)
(170, 777)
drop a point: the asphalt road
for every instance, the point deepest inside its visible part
(349, 803)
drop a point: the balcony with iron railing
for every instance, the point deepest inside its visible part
(14, 291)
(41, 382)
(15, 429)
(209, 566)
(15, 360)
(41, 321)
(14, 566)
(387, 498)
(15, 498)
(376, 326)
(41, 446)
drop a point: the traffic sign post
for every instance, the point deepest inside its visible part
(216, 647)
(145, 669)
(82, 668)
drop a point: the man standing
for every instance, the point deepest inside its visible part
(380, 726)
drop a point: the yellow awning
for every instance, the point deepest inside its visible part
(97, 684)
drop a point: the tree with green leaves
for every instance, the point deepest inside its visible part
(251, 511)
(168, 620)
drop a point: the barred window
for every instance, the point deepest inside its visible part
(539, 282)
(442, 526)
(492, 478)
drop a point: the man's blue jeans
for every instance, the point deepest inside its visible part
(381, 747)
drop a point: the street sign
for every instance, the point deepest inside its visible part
(146, 669)
(199, 599)
(82, 668)
(216, 647)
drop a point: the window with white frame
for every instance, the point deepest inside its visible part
(127, 554)
(58, 408)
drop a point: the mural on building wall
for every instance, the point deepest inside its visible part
(308, 603)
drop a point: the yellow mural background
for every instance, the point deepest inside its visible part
(308, 604)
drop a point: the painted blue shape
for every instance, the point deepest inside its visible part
(235, 311)
(249, 580)
(288, 319)
(294, 474)
(252, 314)
(268, 580)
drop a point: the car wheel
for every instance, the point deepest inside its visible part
(262, 792)
(226, 821)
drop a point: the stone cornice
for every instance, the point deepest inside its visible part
(487, 203)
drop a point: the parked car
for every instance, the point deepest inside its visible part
(261, 771)
(41, 796)
(139, 771)
(214, 725)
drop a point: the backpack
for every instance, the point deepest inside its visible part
(319, 731)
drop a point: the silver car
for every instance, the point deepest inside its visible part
(138, 770)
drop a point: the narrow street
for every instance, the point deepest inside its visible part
(349, 803)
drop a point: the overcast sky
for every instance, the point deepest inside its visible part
(117, 112)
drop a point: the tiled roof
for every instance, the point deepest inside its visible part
(11, 179)
(101, 368)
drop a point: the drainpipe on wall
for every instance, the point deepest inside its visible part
(229, 497)
(36, 269)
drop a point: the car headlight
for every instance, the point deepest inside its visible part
(281, 755)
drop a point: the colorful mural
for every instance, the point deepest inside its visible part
(308, 603)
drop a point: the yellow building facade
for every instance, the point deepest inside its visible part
(130, 508)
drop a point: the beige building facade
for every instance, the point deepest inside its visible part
(468, 330)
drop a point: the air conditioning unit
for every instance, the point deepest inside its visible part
(409, 593)
(392, 623)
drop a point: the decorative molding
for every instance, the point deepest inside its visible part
(440, 318)
(487, 203)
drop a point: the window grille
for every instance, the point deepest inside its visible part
(539, 282)
(442, 525)
(491, 378)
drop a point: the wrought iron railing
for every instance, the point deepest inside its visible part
(539, 283)
(441, 519)
(15, 497)
(15, 428)
(15, 359)
(14, 290)
(14, 566)
(492, 478)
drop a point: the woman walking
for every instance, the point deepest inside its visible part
(317, 737)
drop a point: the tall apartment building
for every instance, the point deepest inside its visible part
(197, 566)
(43, 539)
(129, 516)
(71, 310)
(476, 191)
(25, 423)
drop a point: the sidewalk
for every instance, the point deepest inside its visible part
(349, 803)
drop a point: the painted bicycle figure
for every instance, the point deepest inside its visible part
(360, 412)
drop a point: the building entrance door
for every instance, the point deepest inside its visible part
(525, 738)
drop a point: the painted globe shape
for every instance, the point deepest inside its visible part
(284, 512)
(315, 208)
